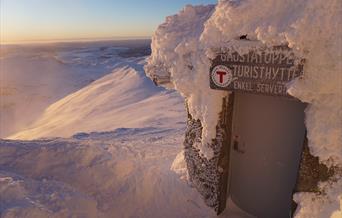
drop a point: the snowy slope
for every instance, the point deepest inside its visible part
(32, 77)
(124, 98)
(125, 134)
(124, 173)
(117, 174)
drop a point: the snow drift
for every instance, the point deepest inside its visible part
(122, 173)
(32, 77)
(124, 98)
(184, 45)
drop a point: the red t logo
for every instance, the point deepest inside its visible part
(221, 74)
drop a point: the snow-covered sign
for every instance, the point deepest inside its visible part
(260, 71)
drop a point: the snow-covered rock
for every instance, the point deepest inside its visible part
(185, 43)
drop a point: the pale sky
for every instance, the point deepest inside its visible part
(54, 20)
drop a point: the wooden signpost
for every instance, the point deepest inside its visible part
(262, 71)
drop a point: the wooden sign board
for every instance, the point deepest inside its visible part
(259, 71)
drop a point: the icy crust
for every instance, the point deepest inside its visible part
(207, 175)
(328, 204)
(185, 43)
(117, 174)
(25, 197)
(313, 30)
(177, 53)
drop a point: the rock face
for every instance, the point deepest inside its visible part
(311, 172)
(210, 177)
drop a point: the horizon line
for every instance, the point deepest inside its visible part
(42, 41)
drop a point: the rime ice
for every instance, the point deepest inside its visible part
(186, 42)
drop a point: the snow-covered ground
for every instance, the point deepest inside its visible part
(123, 173)
(121, 134)
(123, 98)
(32, 77)
(121, 137)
